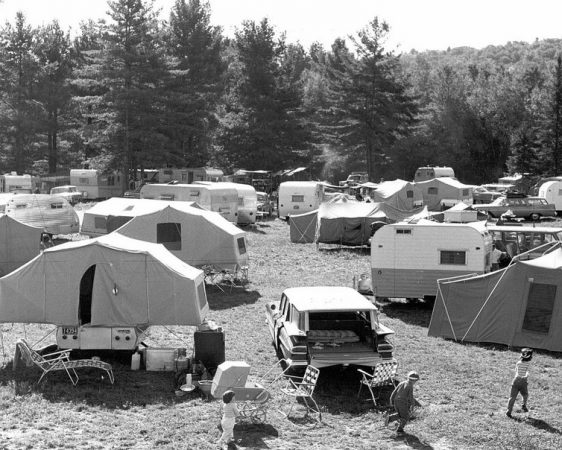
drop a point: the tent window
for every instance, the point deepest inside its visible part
(86, 290)
(202, 295)
(100, 222)
(432, 191)
(169, 234)
(297, 198)
(540, 305)
(409, 194)
(453, 257)
(129, 208)
(241, 245)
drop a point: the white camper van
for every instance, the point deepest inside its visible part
(214, 197)
(14, 183)
(552, 192)
(247, 201)
(431, 172)
(50, 212)
(407, 259)
(97, 185)
(298, 197)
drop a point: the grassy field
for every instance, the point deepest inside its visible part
(463, 388)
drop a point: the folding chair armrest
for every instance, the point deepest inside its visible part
(63, 354)
(370, 375)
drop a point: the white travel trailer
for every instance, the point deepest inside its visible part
(431, 172)
(247, 201)
(407, 259)
(14, 183)
(97, 185)
(51, 213)
(214, 197)
(552, 192)
(188, 176)
(298, 197)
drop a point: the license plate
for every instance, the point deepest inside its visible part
(69, 330)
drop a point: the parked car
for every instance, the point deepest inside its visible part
(520, 206)
(327, 326)
(265, 204)
(69, 192)
(482, 195)
(133, 193)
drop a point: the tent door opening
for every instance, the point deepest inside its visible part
(86, 290)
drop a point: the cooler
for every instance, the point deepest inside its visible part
(229, 374)
(209, 348)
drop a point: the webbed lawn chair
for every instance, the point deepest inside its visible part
(303, 388)
(384, 374)
(59, 361)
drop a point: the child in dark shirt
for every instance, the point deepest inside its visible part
(402, 399)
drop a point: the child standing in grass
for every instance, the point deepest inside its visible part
(519, 383)
(402, 398)
(229, 414)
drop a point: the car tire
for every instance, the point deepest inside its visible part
(535, 217)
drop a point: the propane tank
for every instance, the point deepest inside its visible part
(135, 361)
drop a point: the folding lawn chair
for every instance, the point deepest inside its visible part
(59, 361)
(303, 388)
(384, 374)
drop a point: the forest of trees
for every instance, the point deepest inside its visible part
(136, 91)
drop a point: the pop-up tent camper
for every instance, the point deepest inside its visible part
(442, 193)
(105, 217)
(92, 286)
(520, 305)
(400, 194)
(196, 236)
(19, 243)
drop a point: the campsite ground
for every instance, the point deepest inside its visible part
(463, 387)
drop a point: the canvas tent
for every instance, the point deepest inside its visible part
(346, 222)
(196, 236)
(441, 193)
(131, 283)
(105, 217)
(520, 305)
(19, 243)
(400, 194)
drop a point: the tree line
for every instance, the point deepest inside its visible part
(133, 92)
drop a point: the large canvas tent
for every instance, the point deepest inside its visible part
(196, 236)
(120, 281)
(19, 243)
(401, 195)
(346, 222)
(439, 193)
(519, 306)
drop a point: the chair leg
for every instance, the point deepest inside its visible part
(110, 375)
(315, 409)
(70, 372)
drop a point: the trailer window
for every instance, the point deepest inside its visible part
(241, 245)
(403, 231)
(297, 198)
(409, 194)
(169, 234)
(56, 205)
(456, 257)
(84, 180)
(465, 192)
(169, 197)
(432, 191)
(194, 194)
(540, 305)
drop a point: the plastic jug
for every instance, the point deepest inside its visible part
(135, 361)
